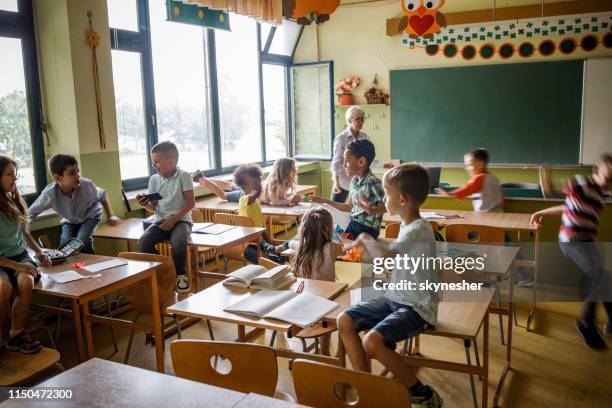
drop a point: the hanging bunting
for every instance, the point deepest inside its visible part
(180, 12)
(531, 36)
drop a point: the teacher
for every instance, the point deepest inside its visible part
(355, 117)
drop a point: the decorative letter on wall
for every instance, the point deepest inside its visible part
(423, 17)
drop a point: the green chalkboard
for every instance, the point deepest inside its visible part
(527, 113)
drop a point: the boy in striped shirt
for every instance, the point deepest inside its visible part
(580, 214)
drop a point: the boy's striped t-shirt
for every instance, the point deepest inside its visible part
(584, 202)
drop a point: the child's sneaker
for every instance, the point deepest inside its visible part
(431, 401)
(182, 283)
(525, 283)
(591, 336)
(23, 342)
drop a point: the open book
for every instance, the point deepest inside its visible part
(258, 277)
(301, 309)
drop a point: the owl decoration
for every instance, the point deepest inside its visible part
(423, 17)
(305, 12)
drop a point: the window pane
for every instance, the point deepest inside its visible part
(275, 111)
(285, 38)
(122, 14)
(237, 71)
(181, 90)
(129, 102)
(15, 137)
(312, 111)
(9, 5)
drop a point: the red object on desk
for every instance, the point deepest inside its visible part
(300, 288)
(79, 265)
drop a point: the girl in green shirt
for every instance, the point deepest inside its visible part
(18, 272)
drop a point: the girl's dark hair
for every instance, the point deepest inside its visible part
(252, 170)
(11, 202)
(315, 231)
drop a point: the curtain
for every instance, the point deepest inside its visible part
(268, 11)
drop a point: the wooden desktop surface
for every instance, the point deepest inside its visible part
(102, 383)
(216, 204)
(132, 229)
(505, 221)
(210, 302)
(83, 287)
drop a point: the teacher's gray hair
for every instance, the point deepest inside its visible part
(354, 112)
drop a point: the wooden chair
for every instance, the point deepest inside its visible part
(18, 368)
(139, 294)
(322, 385)
(285, 222)
(392, 230)
(236, 252)
(473, 234)
(252, 367)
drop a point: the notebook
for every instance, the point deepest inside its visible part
(301, 309)
(69, 276)
(214, 229)
(258, 277)
(100, 266)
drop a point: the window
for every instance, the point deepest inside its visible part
(123, 14)
(181, 91)
(129, 103)
(312, 102)
(285, 38)
(275, 110)
(219, 95)
(20, 135)
(238, 89)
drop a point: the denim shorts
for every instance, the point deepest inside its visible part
(394, 321)
(234, 195)
(10, 274)
(354, 229)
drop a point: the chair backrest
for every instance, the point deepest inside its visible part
(197, 216)
(474, 233)
(392, 230)
(252, 367)
(233, 219)
(267, 263)
(322, 385)
(140, 293)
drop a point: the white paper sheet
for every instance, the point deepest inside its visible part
(65, 277)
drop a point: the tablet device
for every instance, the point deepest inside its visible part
(152, 197)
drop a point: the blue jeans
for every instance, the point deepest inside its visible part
(179, 236)
(394, 321)
(354, 229)
(83, 232)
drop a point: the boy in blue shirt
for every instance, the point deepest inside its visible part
(366, 203)
(172, 214)
(77, 199)
(399, 314)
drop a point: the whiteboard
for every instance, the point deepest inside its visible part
(597, 108)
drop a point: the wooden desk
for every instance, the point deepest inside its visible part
(131, 229)
(102, 383)
(209, 304)
(82, 291)
(506, 221)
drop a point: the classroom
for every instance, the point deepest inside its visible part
(339, 203)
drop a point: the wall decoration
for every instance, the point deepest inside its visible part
(305, 12)
(180, 12)
(344, 89)
(423, 18)
(92, 39)
(596, 30)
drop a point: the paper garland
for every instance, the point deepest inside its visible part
(454, 40)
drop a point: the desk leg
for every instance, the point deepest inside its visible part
(510, 314)
(485, 363)
(78, 330)
(535, 280)
(88, 335)
(241, 333)
(157, 329)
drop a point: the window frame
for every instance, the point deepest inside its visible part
(20, 25)
(140, 41)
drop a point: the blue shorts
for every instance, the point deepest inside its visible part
(234, 195)
(10, 274)
(394, 321)
(354, 229)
